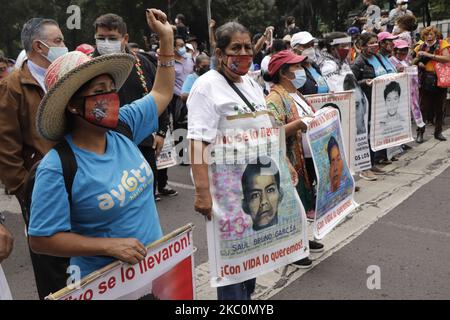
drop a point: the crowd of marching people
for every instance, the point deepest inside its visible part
(87, 180)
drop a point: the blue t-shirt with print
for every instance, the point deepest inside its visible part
(376, 64)
(388, 64)
(189, 82)
(322, 86)
(112, 193)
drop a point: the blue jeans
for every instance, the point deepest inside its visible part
(238, 291)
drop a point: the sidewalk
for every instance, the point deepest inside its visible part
(416, 168)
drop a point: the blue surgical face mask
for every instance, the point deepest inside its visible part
(182, 51)
(54, 52)
(300, 79)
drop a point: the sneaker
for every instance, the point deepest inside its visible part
(377, 170)
(167, 192)
(315, 247)
(368, 175)
(157, 197)
(305, 263)
(311, 215)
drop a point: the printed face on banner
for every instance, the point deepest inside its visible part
(261, 194)
(360, 110)
(391, 111)
(336, 164)
(335, 179)
(258, 222)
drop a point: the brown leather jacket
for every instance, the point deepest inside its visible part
(20, 144)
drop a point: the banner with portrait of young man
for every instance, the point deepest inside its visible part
(335, 184)
(258, 222)
(391, 110)
(353, 114)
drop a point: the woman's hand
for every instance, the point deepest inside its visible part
(203, 202)
(157, 21)
(424, 54)
(126, 250)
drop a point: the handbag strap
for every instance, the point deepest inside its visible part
(239, 92)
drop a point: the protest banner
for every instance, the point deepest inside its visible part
(335, 184)
(166, 273)
(5, 293)
(391, 100)
(168, 156)
(352, 106)
(258, 222)
(413, 74)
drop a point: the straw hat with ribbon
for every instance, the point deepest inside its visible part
(65, 76)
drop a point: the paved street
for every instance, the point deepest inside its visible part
(402, 227)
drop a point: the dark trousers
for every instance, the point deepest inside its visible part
(238, 291)
(50, 272)
(160, 176)
(433, 103)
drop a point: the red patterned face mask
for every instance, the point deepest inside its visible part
(343, 53)
(102, 109)
(373, 48)
(239, 64)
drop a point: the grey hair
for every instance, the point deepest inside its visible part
(33, 29)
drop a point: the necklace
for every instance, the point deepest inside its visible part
(141, 75)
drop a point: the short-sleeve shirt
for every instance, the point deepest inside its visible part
(182, 70)
(189, 82)
(112, 193)
(390, 68)
(212, 100)
(378, 67)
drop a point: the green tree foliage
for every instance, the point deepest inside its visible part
(316, 16)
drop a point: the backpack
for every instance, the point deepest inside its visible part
(69, 168)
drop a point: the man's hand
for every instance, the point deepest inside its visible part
(203, 203)
(6, 243)
(158, 144)
(126, 250)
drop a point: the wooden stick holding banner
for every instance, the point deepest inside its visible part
(166, 259)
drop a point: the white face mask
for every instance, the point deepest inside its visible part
(108, 46)
(404, 7)
(54, 52)
(310, 53)
(396, 30)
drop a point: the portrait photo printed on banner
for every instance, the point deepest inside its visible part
(335, 183)
(391, 125)
(258, 222)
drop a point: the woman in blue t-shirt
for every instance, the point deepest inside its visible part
(112, 213)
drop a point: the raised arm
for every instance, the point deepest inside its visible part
(162, 90)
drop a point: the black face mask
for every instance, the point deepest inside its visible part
(202, 71)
